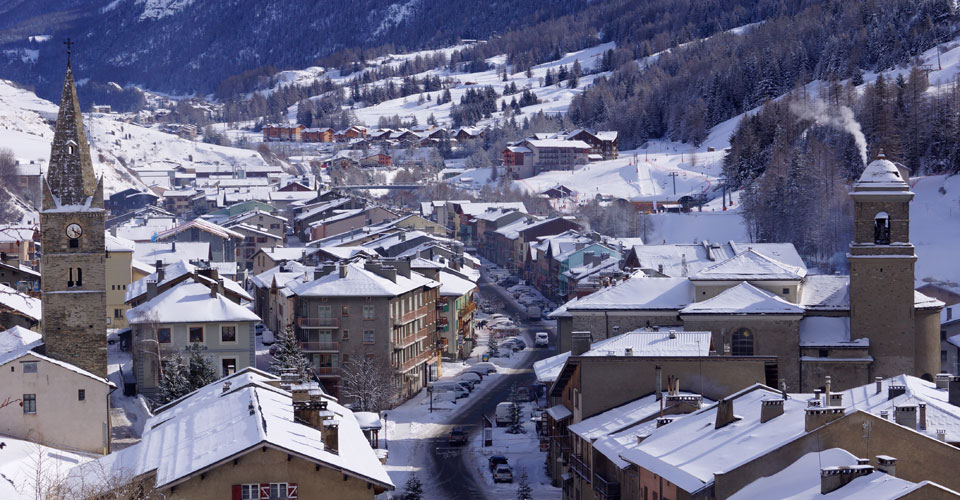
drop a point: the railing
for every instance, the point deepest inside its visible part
(445, 327)
(577, 466)
(470, 307)
(610, 490)
(320, 346)
(332, 323)
(416, 336)
(412, 315)
(416, 360)
(327, 371)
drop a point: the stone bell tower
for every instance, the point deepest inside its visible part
(72, 234)
(882, 271)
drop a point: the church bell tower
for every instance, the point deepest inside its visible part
(72, 237)
(882, 263)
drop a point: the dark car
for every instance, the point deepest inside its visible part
(496, 460)
(457, 436)
(509, 282)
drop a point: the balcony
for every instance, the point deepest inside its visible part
(580, 468)
(320, 346)
(609, 490)
(412, 315)
(404, 342)
(321, 323)
(443, 327)
(470, 307)
(327, 371)
(416, 360)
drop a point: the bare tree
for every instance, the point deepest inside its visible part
(367, 381)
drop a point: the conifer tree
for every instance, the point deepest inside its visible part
(174, 383)
(413, 489)
(524, 491)
(200, 370)
(287, 356)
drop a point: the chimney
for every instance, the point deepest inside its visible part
(331, 435)
(403, 267)
(906, 416)
(724, 413)
(923, 416)
(954, 392)
(628, 351)
(659, 378)
(770, 409)
(818, 417)
(879, 381)
(837, 476)
(887, 464)
(943, 380)
(826, 392)
(226, 386)
(884, 414)
(662, 421)
(581, 343)
(173, 247)
(323, 270)
(151, 289)
(942, 435)
(220, 289)
(159, 265)
(660, 268)
(213, 290)
(898, 390)
(836, 399)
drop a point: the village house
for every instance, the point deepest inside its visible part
(288, 441)
(279, 132)
(603, 143)
(18, 276)
(18, 244)
(269, 258)
(19, 309)
(223, 241)
(379, 309)
(348, 219)
(119, 268)
(317, 135)
(455, 311)
(532, 156)
(512, 241)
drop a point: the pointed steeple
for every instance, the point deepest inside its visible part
(70, 178)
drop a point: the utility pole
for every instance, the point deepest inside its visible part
(674, 175)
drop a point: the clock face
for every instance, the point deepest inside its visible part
(74, 231)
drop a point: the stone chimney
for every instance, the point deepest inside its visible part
(343, 270)
(226, 386)
(403, 267)
(836, 399)
(151, 289)
(677, 404)
(770, 409)
(663, 421)
(724, 413)
(331, 435)
(943, 380)
(213, 290)
(159, 265)
(835, 477)
(896, 390)
(818, 417)
(887, 464)
(826, 392)
(581, 343)
(923, 416)
(954, 391)
(323, 270)
(906, 416)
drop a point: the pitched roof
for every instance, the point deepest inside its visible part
(18, 342)
(117, 243)
(825, 293)
(360, 282)
(662, 343)
(202, 225)
(828, 331)
(639, 293)
(189, 302)
(452, 285)
(750, 265)
(20, 302)
(167, 253)
(742, 299)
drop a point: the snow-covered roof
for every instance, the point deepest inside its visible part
(661, 343)
(348, 252)
(142, 266)
(882, 173)
(360, 282)
(639, 293)
(173, 271)
(20, 473)
(452, 285)
(825, 293)
(20, 302)
(548, 369)
(202, 225)
(800, 480)
(556, 143)
(368, 420)
(16, 340)
(10, 233)
(212, 425)
(828, 331)
(688, 259)
(284, 253)
(921, 301)
(172, 251)
(690, 450)
(282, 274)
(559, 412)
(940, 413)
(743, 299)
(117, 243)
(477, 208)
(189, 302)
(750, 265)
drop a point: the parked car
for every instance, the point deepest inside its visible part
(503, 474)
(459, 390)
(496, 460)
(542, 339)
(517, 340)
(510, 281)
(259, 328)
(504, 414)
(512, 345)
(466, 385)
(457, 436)
(484, 368)
(473, 377)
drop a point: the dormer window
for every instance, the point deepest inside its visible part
(881, 229)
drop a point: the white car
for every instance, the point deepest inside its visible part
(542, 339)
(503, 473)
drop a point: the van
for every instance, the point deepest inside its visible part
(454, 387)
(504, 413)
(542, 339)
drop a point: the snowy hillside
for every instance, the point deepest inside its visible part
(26, 126)
(935, 228)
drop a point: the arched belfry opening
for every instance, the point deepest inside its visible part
(881, 228)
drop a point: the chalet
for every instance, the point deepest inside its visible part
(317, 135)
(223, 241)
(279, 132)
(129, 199)
(376, 160)
(468, 133)
(604, 143)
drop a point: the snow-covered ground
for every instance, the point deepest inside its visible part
(128, 413)
(935, 229)
(29, 470)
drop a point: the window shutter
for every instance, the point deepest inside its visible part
(264, 491)
(237, 495)
(291, 491)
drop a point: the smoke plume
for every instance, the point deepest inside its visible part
(839, 118)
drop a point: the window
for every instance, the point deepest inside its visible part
(369, 337)
(30, 403)
(228, 334)
(81, 395)
(29, 366)
(368, 312)
(786, 291)
(274, 226)
(261, 239)
(74, 243)
(881, 229)
(278, 491)
(345, 335)
(163, 335)
(117, 313)
(79, 277)
(345, 310)
(196, 334)
(743, 343)
(824, 353)
(70, 278)
(250, 492)
(228, 366)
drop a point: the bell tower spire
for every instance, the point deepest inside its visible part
(70, 178)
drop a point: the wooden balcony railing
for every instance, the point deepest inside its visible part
(327, 371)
(320, 346)
(609, 490)
(579, 467)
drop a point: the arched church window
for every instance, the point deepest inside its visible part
(881, 229)
(742, 344)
